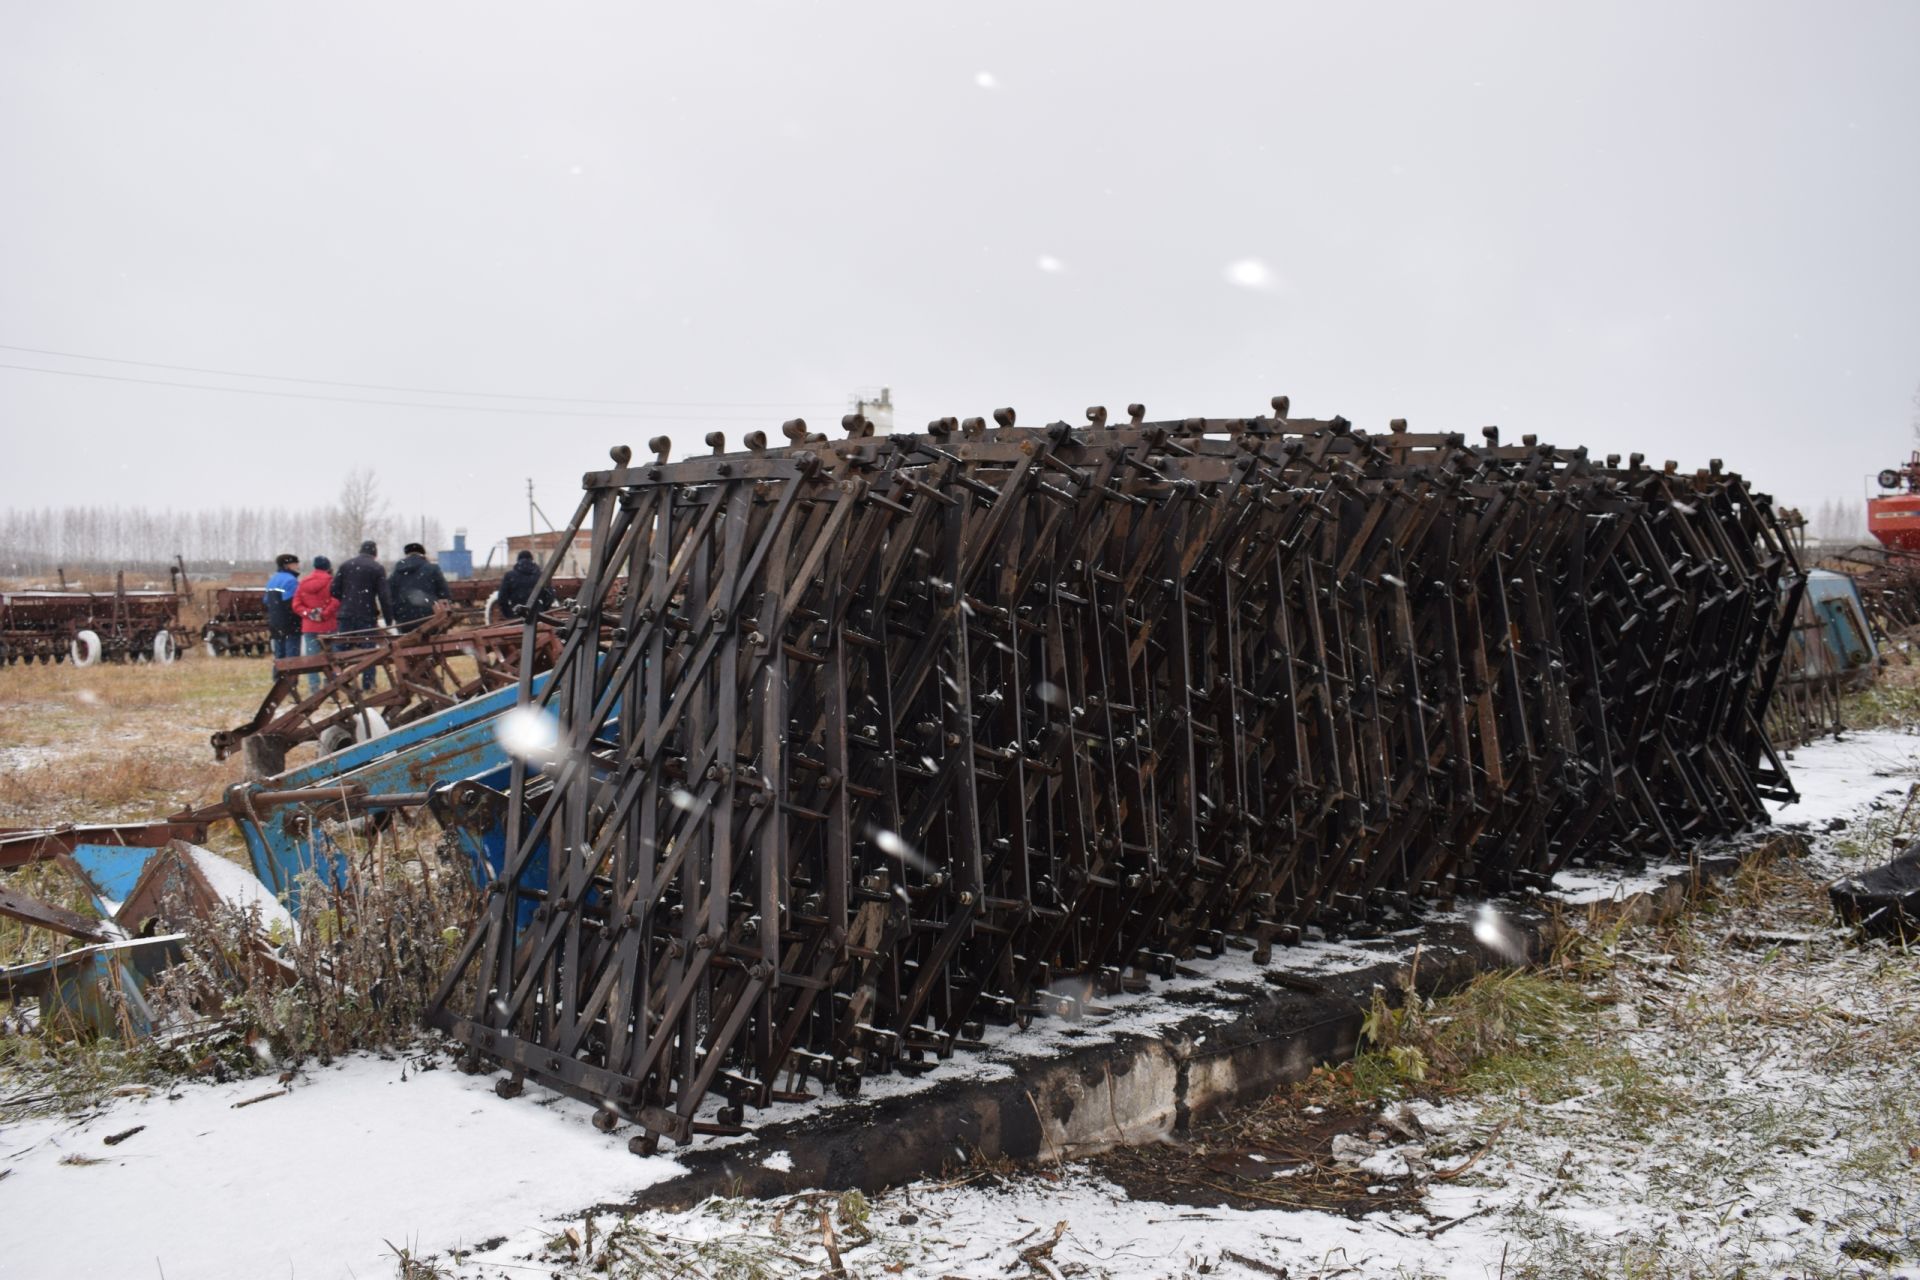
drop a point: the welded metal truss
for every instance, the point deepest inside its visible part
(866, 743)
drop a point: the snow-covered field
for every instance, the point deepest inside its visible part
(1761, 1130)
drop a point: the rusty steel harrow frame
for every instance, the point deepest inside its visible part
(236, 623)
(379, 680)
(867, 743)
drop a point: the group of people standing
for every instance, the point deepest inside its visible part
(363, 595)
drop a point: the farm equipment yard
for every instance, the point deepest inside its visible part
(924, 642)
(1778, 1141)
(868, 981)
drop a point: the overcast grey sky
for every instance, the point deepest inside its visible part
(1692, 230)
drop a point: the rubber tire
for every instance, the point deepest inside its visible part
(84, 649)
(368, 724)
(164, 649)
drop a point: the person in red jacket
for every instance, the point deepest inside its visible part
(318, 611)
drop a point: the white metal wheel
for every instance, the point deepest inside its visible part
(85, 649)
(164, 650)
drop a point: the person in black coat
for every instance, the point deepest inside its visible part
(360, 585)
(517, 587)
(418, 586)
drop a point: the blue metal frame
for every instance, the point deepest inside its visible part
(282, 841)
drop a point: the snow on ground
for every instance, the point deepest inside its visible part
(310, 1184)
(1581, 886)
(20, 759)
(1837, 778)
(1756, 1128)
(1745, 1108)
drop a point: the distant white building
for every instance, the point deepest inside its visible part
(876, 409)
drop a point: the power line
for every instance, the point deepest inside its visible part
(377, 386)
(402, 404)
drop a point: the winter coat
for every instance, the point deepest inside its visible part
(315, 597)
(416, 583)
(281, 619)
(361, 588)
(511, 599)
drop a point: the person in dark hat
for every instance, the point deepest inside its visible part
(419, 588)
(365, 599)
(516, 589)
(282, 623)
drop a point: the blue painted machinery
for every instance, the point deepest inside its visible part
(449, 762)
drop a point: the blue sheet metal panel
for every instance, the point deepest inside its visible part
(283, 844)
(1836, 599)
(458, 742)
(455, 744)
(77, 989)
(112, 869)
(331, 768)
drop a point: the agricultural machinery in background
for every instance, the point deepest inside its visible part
(844, 750)
(85, 627)
(361, 685)
(1886, 572)
(237, 616)
(237, 623)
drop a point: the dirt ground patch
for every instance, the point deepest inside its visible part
(119, 742)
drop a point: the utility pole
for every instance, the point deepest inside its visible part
(533, 508)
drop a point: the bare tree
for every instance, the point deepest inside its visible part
(360, 512)
(1837, 520)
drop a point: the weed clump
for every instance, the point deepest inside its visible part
(357, 973)
(1500, 1030)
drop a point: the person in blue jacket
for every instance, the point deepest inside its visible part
(283, 624)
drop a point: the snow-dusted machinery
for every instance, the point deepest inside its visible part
(858, 745)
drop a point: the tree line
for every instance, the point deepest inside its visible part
(39, 540)
(1838, 520)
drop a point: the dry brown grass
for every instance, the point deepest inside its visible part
(116, 743)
